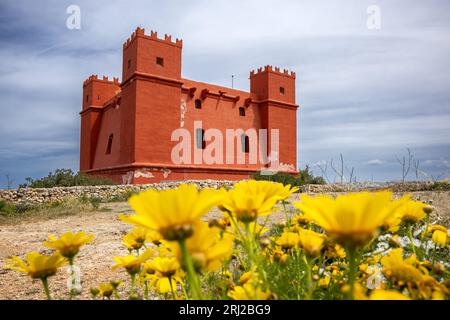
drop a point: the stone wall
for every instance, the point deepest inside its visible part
(114, 192)
(105, 193)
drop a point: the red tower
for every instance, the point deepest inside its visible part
(131, 130)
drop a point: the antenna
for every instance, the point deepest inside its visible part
(232, 81)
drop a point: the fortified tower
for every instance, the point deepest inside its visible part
(275, 93)
(127, 127)
(151, 89)
(95, 93)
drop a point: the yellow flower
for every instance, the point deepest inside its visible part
(392, 223)
(400, 271)
(251, 199)
(440, 238)
(301, 219)
(351, 219)
(280, 190)
(324, 282)
(363, 267)
(435, 227)
(167, 266)
(335, 251)
(137, 238)
(280, 256)
(288, 240)
(249, 275)
(311, 242)
(36, 265)
(69, 243)
(387, 295)
(206, 247)
(167, 273)
(249, 292)
(131, 263)
(106, 289)
(172, 212)
(412, 211)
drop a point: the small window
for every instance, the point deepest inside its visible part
(200, 138)
(245, 141)
(198, 104)
(242, 111)
(129, 63)
(282, 90)
(160, 61)
(98, 97)
(110, 141)
(87, 98)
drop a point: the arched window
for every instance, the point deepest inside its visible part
(245, 141)
(242, 111)
(200, 138)
(198, 104)
(110, 141)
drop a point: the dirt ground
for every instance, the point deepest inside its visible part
(96, 259)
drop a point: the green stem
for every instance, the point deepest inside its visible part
(411, 239)
(47, 292)
(253, 259)
(309, 283)
(249, 244)
(146, 290)
(192, 276)
(132, 288)
(171, 288)
(352, 265)
(288, 220)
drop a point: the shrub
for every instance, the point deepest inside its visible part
(7, 208)
(304, 176)
(65, 178)
(440, 185)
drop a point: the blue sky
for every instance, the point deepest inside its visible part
(368, 94)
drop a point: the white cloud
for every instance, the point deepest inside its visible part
(375, 162)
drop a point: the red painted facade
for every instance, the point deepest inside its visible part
(127, 127)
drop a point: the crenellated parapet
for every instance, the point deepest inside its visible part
(277, 70)
(104, 79)
(140, 32)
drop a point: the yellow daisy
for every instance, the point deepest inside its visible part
(352, 219)
(69, 243)
(172, 212)
(36, 265)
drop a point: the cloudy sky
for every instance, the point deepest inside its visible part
(366, 93)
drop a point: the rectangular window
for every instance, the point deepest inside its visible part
(160, 61)
(87, 98)
(129, 63)
(109, 146)
(242, 111)
(245, 141)
(282, 90)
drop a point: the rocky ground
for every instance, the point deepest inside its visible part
(96, 259)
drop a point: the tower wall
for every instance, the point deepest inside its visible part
(95, 93)
(275, 91)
